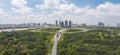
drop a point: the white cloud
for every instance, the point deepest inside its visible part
(109, 9)
(62, 9)
(20, 7)
(23, 10)
(106, 12)
(48, 4)
(52, 4)
(3, 13)
(18, 3)
(60, 6)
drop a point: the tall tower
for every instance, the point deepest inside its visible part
(100, 24)
(62, 24)
(56, 23)
(70, 24)
(118, 24)
(59, 22)
(66, 24)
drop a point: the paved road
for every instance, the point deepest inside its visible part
(56, 39)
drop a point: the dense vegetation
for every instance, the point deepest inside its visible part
(101, 41)
(73, 30)
(25, 43)
(51, 30)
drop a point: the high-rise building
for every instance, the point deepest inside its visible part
(100, 24)
(66, 24)
(118, 24)
(70, 24)
(59, 22)
(84, 24)
(56, 23)
(62, 24)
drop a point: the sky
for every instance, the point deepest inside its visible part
(79, 11)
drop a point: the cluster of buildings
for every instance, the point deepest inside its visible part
(24, 25)
(118, 24)
(100, 24)
(58, 23)
(64, 24)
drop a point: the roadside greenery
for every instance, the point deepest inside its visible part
(25, 43)
(49, 30)
(73, 30)
(101, 41)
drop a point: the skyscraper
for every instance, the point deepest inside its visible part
(59, 22)
(70, 24)
(118, 24)
(62, 24)
(100, 24)
(56, 23)
(66, 24)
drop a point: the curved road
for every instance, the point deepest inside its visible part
(56, 39)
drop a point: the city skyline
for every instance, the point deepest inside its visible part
(41, 11)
